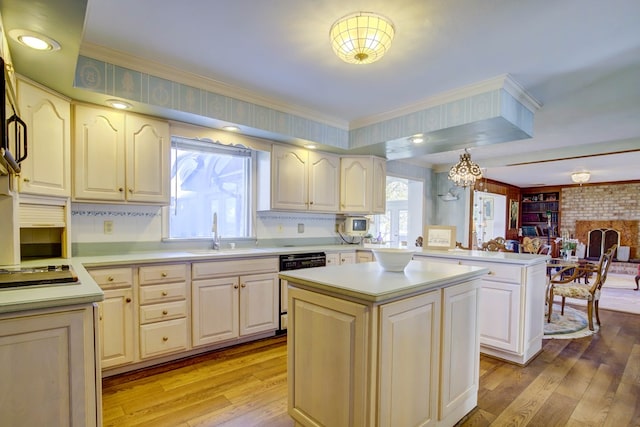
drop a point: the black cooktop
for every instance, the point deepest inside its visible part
(34, 276)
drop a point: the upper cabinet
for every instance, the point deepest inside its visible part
(363, 181)
(120, 157)
(46, 170)
(304, 180)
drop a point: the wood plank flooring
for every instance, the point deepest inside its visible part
(593, 381)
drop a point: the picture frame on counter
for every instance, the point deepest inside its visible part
(442, 237)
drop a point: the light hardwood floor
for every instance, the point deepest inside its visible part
(593, 381)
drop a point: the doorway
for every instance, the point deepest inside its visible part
(489, 216)
(402, 222)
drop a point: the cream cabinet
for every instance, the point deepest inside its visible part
(424, 350)
(120, 157)
(304, 180)
(363, 182)
(364, 256)
(163, 309)
(229, 304)
(339, 258)
(49, 370)
(47, 168)
(116, 316)
(512, 304)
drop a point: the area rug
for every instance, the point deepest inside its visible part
(618, 294)
(573, 324)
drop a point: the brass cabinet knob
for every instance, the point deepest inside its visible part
(165, 339)
(26, 180)
(165, 312)
(121, 189)
(235, 286)
(164, 293)
(128, 300)
(131, 190)
(110, 279)
(243, 285)
(163, 274)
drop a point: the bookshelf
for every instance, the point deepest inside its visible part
(535, 210)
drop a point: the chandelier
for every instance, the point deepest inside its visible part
(361, 38)
(580, 177)
(465, 172)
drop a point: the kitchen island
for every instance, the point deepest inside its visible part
(369, 347)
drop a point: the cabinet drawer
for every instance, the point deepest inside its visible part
(500, 272)
(163, 337)
(210, 269)
(161, 293)
(163, 311)
(110, 278)
(155, 274)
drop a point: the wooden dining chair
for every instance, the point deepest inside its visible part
(562, 284)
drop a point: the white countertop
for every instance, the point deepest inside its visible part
(87, 291)
(486, 256)
(369, 282)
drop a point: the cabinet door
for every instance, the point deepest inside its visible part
(259, 307)
(148, 145)
(328, 340)
(347, 258)
(460, 366)
(214, 310)
(355, 188)
(116, 327)
(333, 258)
(47, 168)
(500, 315)
(99, 169)
(324, 182)
(409, 349)
(379, 186)
(289, 178)
(49, 370)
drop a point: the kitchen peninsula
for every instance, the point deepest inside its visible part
(370, 347)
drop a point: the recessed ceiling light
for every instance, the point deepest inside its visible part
(118, 104)
(311, 146)
(416, 139)
(231, 128)
(34, 40)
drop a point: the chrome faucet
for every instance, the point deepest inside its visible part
(214, 230)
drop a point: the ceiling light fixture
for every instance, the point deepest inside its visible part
(416, 139)
(580, 177)
(118, 104)
(231, 128)
(361, 38)
(465, 172)
(34, 40)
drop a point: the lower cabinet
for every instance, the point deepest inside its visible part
(339, 258)
(424, 351)
(49, 369)
(116, 327)
(232, 307)
(163, 309)
(235, 305)
(116, 316)
(512, 306)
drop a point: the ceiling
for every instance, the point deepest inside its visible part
(579, 59)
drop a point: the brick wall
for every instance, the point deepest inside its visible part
(599, 202)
